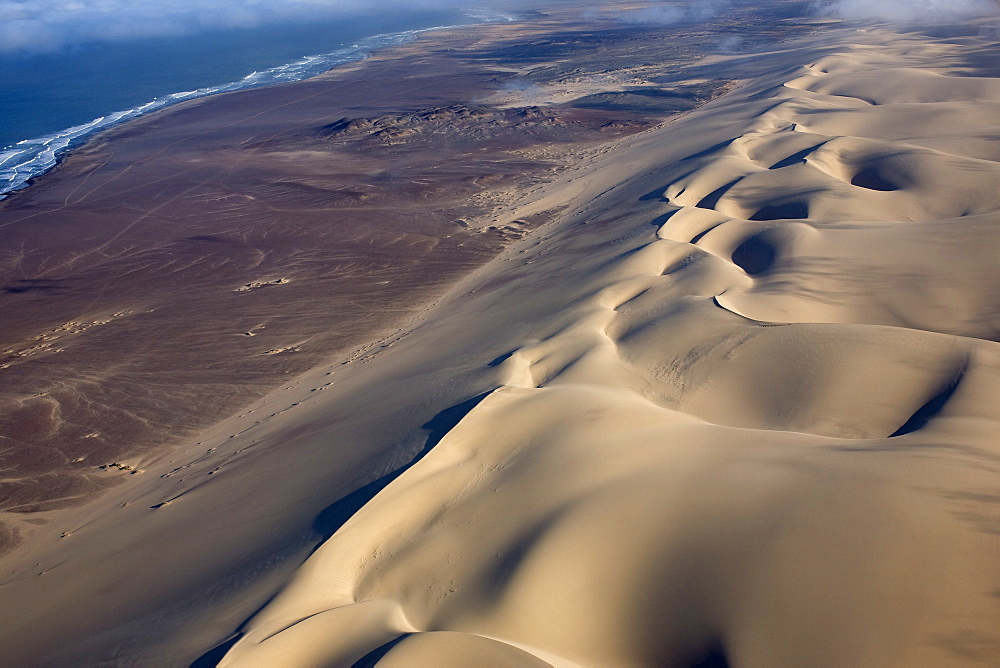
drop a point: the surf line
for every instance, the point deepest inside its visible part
(30, 158)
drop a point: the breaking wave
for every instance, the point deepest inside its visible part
(29, 158)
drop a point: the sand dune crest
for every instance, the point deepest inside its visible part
(744, 416)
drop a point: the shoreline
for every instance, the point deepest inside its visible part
(79, 135)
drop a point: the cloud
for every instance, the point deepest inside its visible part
(907, 11)
(50, 25)
(662, 13)
(671, 13)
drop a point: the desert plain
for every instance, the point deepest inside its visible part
(567, 341)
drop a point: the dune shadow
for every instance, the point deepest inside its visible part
(785, 211)
(497, 361)
(711, 200)
(212, 657)
(795, 158)
(932, 407)
(336, 514)
(371, 659)
(714, 658)
(871, 179)
(708, 151)
(661, 219)
(660, 194)
(755, 255)
(701, 235)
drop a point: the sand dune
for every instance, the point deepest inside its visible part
(735, 404)
(762, 432)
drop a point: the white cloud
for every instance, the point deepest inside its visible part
(663, 13)
(49, 25)
(906, 11)
(671, 13)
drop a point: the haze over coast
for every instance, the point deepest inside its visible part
(639, 334)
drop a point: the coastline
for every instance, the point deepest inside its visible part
(53, 147)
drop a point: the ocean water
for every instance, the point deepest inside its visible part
(52, 102)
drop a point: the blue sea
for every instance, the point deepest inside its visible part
(51, 102)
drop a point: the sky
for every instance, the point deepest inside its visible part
(864, 11)
(40, 26)
(908, 10)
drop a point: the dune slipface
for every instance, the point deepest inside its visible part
(733, 404)
(744, 407)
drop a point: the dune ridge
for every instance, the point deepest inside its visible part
(759, 432)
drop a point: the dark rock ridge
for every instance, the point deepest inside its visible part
(471, 122)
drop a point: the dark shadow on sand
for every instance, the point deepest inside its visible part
(212, 657)
(715, 658)
(333, 517)
(711, 200)
(871, 179)
(784, 211)
(371, 659)
(796, 158)
(933, 406)
(755, 255)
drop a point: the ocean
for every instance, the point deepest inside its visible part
(51, 102)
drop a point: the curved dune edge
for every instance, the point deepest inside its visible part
(761, 430)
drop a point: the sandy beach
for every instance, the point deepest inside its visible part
(476, 373)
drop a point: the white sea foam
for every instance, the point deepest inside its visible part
(29, 158)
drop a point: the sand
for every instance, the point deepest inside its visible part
(733, 403)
